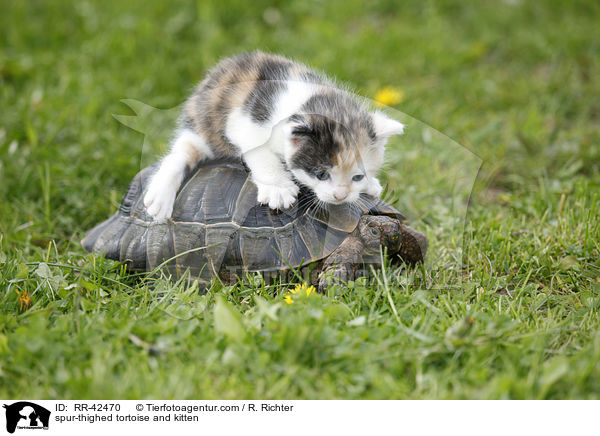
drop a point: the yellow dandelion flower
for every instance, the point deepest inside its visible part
(310, 290)
(303, 290)
(304, 287)
(24, 300)
(389, 96)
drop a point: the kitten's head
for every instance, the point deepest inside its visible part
(338, 159)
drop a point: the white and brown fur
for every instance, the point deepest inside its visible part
(289, 124)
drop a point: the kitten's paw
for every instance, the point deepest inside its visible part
(374, 188)
(159, 201)
(279, 196)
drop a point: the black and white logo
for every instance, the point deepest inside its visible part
(26, 415)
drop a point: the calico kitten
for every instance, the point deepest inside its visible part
(289, 124)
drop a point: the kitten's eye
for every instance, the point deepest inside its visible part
(322, 175)
(358, 177)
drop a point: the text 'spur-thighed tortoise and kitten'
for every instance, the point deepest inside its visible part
(290, 125)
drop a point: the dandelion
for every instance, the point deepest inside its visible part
(24, 300)
(389, 96)
(303, 290)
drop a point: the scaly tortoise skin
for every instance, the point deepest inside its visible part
(218, 229)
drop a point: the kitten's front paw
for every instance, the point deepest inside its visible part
(374, 188)
(279, 196)
(159, 201)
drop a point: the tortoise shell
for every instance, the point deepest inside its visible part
(217, 226)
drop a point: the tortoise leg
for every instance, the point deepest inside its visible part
(342, 264)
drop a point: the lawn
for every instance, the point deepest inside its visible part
(507, 304)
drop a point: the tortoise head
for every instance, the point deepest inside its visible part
(376, 230)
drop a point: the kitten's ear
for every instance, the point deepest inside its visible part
(385, 126)
(296, 128)
(288, 133)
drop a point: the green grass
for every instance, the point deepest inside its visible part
(515, 82)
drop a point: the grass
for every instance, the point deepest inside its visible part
(515, 82)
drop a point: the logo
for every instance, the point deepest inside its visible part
(26, 415)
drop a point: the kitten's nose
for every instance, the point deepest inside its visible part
(340, 197)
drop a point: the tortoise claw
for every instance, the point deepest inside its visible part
(335, 274)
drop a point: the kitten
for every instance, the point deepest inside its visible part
(288, 123)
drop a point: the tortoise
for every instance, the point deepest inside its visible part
(219, 229)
